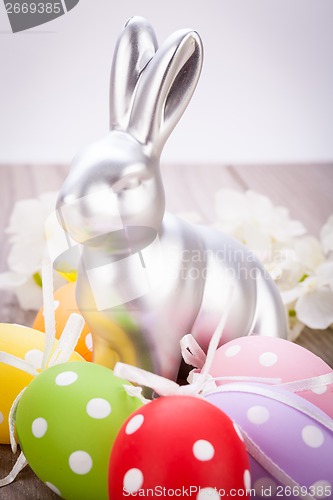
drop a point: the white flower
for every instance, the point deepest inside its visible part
(326, 236)
(310, 293)
(301, 258)
(295, 326)
(295, 261)
(26, 288)
(255, 221)
(313, 298)
(26, 232)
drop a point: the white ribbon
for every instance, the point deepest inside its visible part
(166, 387)
(243, 378)
(135, 392)
(161, 385)
(195, 356)
(68, 340)
(49, 315)
(279, 474)
(11, 420)
(283, 397)
(255, 451)
(191, 352)
(20, 463)
(308, 384)
(20, 364)
(202, 383)
(62, 353)
(217, 335)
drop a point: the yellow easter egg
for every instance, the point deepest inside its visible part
(65, 304)
(25, 343)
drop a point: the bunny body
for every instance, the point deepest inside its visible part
(146, 277)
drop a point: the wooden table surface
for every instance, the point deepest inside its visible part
(307, 190)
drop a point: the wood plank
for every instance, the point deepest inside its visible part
(27, 486)
(19, 182)
(192, 187)
(6, 204)
(307, 190)
(320, 342)
(48, 178)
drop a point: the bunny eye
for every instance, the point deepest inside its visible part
(131, 183)
(126, 183)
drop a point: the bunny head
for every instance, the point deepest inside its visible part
(114, 191)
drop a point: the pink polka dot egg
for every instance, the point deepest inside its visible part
(274, 358)
(282, 432)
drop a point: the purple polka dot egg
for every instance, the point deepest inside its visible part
(274, 358)
(289, 440)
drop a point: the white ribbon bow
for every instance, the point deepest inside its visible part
(62, 353)
(202, 383)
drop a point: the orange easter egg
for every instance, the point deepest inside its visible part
(27, 344)
(65, 304)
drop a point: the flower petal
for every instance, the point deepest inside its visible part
(29, 295)
(308, 251)
(231, 205)
(289, 296)
(326, 236)
(26, 257)
(261, 206)
(295, 329)
(258, 241)
(315, 308)
(295, 228)
(10, 280)
(26, 216)
(49, 200)
(325, 273)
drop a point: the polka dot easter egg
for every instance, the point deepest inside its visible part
(66, 423)
(64, 305)
(274, 358)
(290, 431)
(27, 344)
(178, 446)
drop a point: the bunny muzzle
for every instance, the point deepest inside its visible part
(113, 192)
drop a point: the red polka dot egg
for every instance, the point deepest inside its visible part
(275, 358)
(178, 446)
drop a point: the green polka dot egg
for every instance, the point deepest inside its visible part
(67, 421)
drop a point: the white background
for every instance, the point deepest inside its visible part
(265, 95)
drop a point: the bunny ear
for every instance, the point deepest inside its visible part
(136, 46)
(166, 88)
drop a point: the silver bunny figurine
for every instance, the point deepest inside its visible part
(146, 277)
